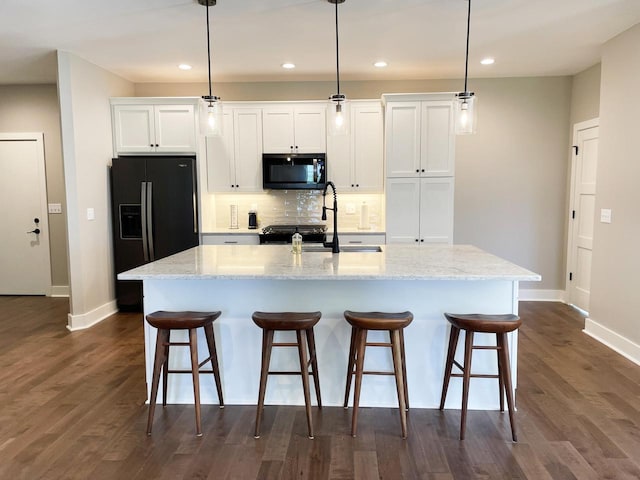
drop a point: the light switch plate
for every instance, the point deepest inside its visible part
(605, 215)
(55, 208)
(91, 214)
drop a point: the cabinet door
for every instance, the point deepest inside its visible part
(436, 210)
(134, 131)
(403, 139)
(310, 129)
(221, 175)
(277, 129)
(437, 149)
(367, 147)
(339, 164)
(403, 210)
(247, 123)
(175, 127)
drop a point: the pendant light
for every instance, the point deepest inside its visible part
(338, 106)
(466, 100)
(210, 107)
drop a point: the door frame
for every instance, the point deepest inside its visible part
(570, 267)
(38, 137)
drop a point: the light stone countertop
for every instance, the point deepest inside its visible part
(395, 262)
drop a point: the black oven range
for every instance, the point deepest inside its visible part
(282, 233)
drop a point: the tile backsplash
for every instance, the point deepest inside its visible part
(293, 207)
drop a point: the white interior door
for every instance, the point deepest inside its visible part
(583, 200)
(24, 257)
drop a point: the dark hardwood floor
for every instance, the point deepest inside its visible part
(72, 407)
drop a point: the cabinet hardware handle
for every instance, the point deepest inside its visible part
(352, 185)
(355, 241)
(237, 186)
(151, 145)
(422, 239)
(416, 239)
(358, 185)
(423, 170)
(231, 241)
(417, 170)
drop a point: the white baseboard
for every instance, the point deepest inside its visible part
(89, 319)
(58, 291)
(534, 295)
(613, 340)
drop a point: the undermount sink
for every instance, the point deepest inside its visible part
(345, 249)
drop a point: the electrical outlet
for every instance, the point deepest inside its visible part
(91, 214)
(605, 215)
(350, 208)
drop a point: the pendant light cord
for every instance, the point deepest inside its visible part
(209, 53)
(466, 59)
(337, 53)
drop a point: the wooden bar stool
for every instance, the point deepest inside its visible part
(361, 323)
(472, 323)
(302, 324)
(165, 322)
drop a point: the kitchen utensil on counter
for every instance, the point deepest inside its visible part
(253, 220)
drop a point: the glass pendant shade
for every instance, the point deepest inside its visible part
(339, 116)
(466, 113)
(211, 119)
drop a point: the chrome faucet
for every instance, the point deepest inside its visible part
(335, 247)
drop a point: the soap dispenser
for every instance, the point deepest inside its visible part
(296, 243)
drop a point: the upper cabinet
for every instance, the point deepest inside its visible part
(146, 126)
(298, 128)
(355, 161)
(234, 160)
(420, 138)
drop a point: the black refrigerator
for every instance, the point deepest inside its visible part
(154, 208)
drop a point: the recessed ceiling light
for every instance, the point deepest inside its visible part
(288, 65)
(380, 64)
(184, 66)
(487, 61)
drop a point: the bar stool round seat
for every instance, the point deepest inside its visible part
(302, 323)
(473, 323)
(361, 323)
(165, 322)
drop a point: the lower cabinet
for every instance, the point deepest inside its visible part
(419, 210)
(360, 238)
(230, 239)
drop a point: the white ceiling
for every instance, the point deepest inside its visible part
(145, 40)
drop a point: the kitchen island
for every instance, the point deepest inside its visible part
(240, 279)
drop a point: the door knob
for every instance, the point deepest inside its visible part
(35, 230)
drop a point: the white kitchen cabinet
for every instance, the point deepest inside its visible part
(234, 161)
(230, 239)
(355, 161)
(154, 128)
(361, 238)
(420, 138)
(419, 210)
(298, 128)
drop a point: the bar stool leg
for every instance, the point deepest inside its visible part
(304, 371)
(404, 370)
(506, 373)
(351, 362)
(213, 356)
(165, 368)
(155, 380)
(451, 353)
(500, 380)
(397, 368)
(193, 347)
(311, 343)
(361, 345)
(468, 350)
(267, 343)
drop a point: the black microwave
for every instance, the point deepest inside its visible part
(294, 171)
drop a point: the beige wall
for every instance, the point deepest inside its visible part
(510, 177)
(615, 301)
(34, 108)
(585, 95)
(84, 91)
